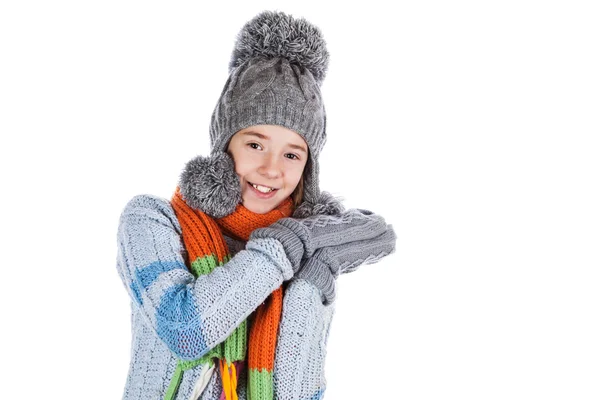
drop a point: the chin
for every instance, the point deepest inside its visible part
(258, 208)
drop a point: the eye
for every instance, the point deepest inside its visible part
(252, 144)
(293, 155)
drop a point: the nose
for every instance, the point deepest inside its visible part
(271, 167)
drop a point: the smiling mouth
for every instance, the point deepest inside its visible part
(263, 189)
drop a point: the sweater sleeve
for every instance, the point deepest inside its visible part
(190, 315)
(299, 371)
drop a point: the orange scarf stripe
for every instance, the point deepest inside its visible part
(264, 332)
(240, 223)
(199, 231)
(203, 236)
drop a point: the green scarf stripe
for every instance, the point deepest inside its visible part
(205, 265)
(185, 365)
(260, 384)
(232, 349)
(178, 375)
(174, 384)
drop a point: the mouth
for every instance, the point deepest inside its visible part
(264, 192)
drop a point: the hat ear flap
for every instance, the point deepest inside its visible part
(211, 185)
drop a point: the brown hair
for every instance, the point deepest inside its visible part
(298, 192)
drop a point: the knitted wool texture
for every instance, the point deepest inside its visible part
(206, 249)
(276, 69)
(169, 306)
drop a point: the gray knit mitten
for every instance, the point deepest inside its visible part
(302, 237)
(328, 263)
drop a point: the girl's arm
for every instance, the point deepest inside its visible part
(300, 356)
(190, 315)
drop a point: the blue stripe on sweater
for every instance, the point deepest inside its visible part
(178, 322)
(318, 395)
(147, 275)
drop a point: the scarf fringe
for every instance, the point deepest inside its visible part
(229, 379)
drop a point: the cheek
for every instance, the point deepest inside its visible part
(243, 168)
(240, 165)
(294, 177)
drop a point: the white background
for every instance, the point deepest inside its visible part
(471, 126)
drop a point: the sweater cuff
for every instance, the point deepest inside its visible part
(276, 252)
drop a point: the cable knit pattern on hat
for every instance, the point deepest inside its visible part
(276, 70)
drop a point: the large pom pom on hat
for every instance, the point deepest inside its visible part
(276, 34)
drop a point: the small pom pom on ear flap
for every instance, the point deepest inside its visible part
(210, 184)
(325, 205)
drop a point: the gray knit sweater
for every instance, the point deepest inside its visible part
(168, 302)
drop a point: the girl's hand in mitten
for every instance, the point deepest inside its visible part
(328, 262)
(302, 237)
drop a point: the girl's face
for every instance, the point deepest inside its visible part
(269, 156)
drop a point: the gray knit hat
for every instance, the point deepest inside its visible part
(276, 70)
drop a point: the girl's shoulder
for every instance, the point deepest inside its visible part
(154, 208)
(147, 200)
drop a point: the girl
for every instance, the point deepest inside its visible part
(232, 281)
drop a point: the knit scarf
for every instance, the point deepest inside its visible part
(206, 249)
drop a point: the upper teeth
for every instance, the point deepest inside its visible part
(263, 189)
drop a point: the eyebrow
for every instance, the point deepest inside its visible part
(264, 137)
